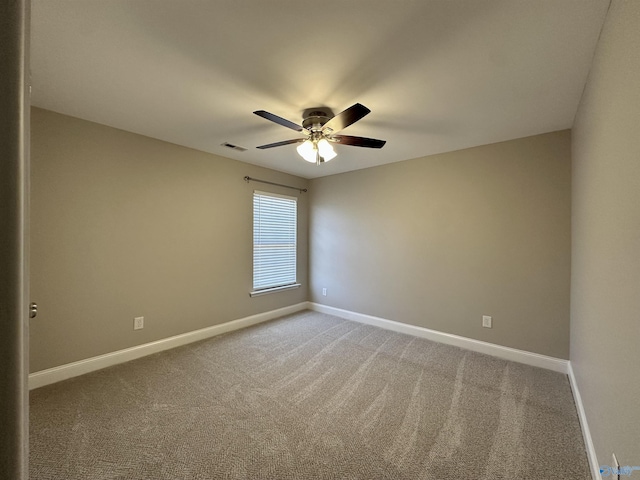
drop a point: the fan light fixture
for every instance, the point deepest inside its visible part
(311, 151)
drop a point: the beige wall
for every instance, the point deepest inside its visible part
(440, 241)
(124, 225)
(605, 281)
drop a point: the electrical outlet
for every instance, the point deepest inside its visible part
(486, 321)
(324, 292)
(138, 323)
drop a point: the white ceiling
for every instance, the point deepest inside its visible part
(438, 75)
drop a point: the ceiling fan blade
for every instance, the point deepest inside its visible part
(344, 119)
(358, 141)
(279, 144)
(281, 121)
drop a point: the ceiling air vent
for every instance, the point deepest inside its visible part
(235, 147)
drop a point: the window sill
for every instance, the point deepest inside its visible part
(266, 291)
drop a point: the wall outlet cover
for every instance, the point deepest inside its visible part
(138, 323)
(486, 321)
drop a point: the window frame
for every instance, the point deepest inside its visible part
(276, 287)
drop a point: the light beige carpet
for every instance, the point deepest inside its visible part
(309, 396)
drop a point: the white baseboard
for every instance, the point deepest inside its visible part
(70, 370)
(507, 353)
(586, 433)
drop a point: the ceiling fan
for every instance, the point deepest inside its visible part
(320, 127)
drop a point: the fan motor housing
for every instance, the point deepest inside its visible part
(315, 118)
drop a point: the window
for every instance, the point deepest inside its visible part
(274, 242)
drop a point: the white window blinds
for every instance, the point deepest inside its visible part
(274, 240)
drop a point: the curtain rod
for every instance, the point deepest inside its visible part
(248, 179)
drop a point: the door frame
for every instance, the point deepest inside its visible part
(14, 246)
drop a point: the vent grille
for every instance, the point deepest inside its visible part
(235, 147)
